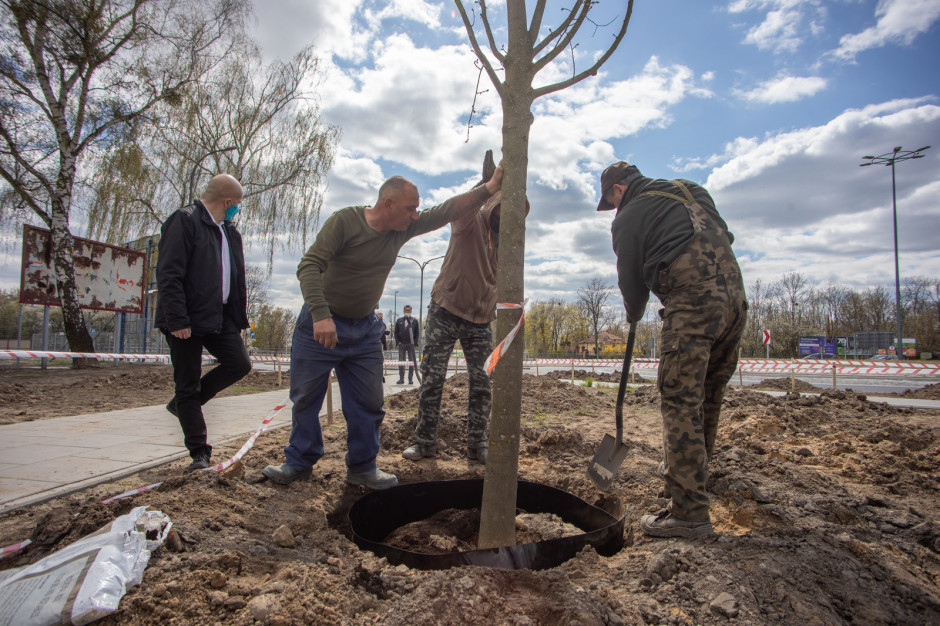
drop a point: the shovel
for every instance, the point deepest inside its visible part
(611, 453)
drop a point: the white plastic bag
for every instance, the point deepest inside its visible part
(85, 581)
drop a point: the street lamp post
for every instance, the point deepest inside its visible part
(890, 158)
(421, 266)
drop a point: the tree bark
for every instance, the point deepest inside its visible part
(498, 510)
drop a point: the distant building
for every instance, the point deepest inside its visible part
(604, 340)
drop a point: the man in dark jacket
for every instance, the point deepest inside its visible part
(670, 239)
(406, 336)
(202, 303)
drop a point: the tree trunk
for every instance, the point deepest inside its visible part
(498, 511)
(75, 329)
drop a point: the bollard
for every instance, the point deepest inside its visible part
(740, 372)
(536, 367)
(793, 381)
(834, 388)
(572, 371)
(278, 371)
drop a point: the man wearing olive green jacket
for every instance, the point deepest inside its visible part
(342, 276)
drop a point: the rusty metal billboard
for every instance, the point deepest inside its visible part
(107, 278)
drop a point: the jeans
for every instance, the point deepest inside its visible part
(357, 360)
(192, 391)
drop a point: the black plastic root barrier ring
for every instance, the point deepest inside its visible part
(377, 514)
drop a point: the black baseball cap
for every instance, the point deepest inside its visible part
(620, 172)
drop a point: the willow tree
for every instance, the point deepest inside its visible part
(77, 76)
(526, 52)
(259, 122)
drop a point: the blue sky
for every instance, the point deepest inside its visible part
(769, 103)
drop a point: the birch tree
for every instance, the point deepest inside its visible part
(525, 53)
(80, 75)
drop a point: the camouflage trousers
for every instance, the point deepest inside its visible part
(442, 331)
(702, 327)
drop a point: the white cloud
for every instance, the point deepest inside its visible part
(785, 26)
(799, 200)
(784, 89)
(899, 21)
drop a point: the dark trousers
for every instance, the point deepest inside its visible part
(192, 389)
(406, 351)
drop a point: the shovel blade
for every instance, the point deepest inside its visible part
(607, 460)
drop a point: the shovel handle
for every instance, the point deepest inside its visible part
(621, 392)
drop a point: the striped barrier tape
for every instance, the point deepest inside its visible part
(16, 547)
(896, 368)
(497, 353)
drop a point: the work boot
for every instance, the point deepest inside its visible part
(399, 382)
(478, 454)
(419, 451)
(285, 474)
(171, 407)
(373, 479)
(664, 524)
(200, 460)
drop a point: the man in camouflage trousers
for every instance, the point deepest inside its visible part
(670, 239)
(463, 304)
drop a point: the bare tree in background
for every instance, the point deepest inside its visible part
(257, 280)
(522, 57)
(257, 122)
(77, 76)
(592, 300)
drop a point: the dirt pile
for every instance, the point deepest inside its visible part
(30, 394)
(930, 392)
(603, 377)
(826, 509)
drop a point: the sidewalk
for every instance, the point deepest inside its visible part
(44, 459)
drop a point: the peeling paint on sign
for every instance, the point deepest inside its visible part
(107, 277)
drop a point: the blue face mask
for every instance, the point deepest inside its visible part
(231, 211)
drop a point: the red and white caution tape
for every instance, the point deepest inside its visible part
(16, 547)
(497, 354)
(132, 492)
(251, 440)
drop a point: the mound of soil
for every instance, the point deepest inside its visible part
(786, 384)
(604, 377)
(825, 506)
(930, 392)
(30, 393)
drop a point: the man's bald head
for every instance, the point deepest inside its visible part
(223, 186)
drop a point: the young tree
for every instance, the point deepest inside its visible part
(592, 300)
(258, 122)
(522, 57)
(79, 75)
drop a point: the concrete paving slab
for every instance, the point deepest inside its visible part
(16, 488)
(69, 469)
(48, 452)
(133, 452)
(43, 459)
